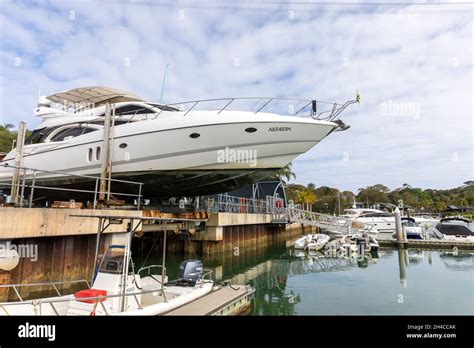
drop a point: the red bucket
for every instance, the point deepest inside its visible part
(90, 293)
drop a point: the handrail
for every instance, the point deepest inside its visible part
(53, 284)
(45, 284)
(297, 214)
(82, 299)
(65, 173)
(207, 273)
(150, 267)
(98, 299)
(336, 107)
(33, 177)
(232, 204)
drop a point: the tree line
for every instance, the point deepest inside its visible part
(325, 199)
(331, 200)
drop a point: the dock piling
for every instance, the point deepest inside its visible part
(398, 226)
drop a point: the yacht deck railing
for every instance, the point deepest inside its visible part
(297, 106)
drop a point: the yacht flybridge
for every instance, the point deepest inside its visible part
(174, 149)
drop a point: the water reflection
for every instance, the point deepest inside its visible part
(458, 261)
(402, 266)
(290, 282)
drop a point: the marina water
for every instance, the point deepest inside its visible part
(390, 282)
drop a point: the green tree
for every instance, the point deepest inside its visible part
(7, 136)
(374, 194)
(285, 174)
(306, 198)
(441, 206)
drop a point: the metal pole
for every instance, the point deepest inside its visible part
(339, 203)
(22, 188)
(20, 142)
(127, 262)
(163, 274)
(139, 196)
(95, 192)
(97, 242)
(32, 191)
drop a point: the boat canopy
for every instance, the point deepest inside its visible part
(93, 95)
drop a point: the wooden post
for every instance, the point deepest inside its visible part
(398, 225)
(20, 142)
(104, 186)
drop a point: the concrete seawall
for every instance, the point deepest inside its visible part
(66, 244)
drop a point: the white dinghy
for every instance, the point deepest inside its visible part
(144, 295)
(354, 244)
(311, 242)
(117, 289)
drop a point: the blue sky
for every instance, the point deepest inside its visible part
(414, 73)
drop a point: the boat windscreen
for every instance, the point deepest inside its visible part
(164, 107)
(113, 261)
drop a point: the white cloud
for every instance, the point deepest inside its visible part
(425, 60)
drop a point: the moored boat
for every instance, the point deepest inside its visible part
(116, 291)
(311, 242)
(456, 228)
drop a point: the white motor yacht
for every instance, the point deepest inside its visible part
(382, 223)
(456, 228)
(174, 150)
(426, 222)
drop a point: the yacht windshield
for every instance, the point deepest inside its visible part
(164, 107)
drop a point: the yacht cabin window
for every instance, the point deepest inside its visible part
(38, 136)
(71, 132)
(128, 110)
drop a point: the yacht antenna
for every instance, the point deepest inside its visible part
(163, 83)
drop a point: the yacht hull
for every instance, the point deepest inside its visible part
(174, 159)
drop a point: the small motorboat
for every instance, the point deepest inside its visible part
(355, 243)
(455, 228)
(368, 242)
(315, 241)
(118, 290)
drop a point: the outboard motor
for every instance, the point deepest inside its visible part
(361, 244)
(190, 271)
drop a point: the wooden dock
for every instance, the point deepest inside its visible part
(430, 243)
(226, 300)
